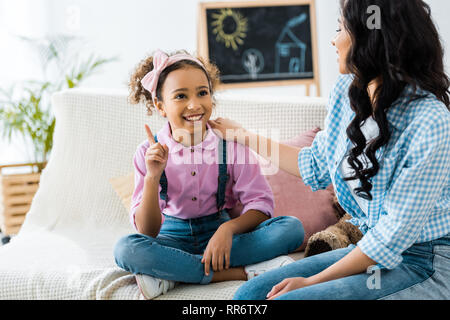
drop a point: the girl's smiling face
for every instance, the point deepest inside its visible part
(187, 104)
(342, 41)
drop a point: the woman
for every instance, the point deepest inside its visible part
(386, 150)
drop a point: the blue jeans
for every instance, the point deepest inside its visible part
(423, 274)
(176, 253)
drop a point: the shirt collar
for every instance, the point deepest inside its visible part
(397, 115)
(210, 142)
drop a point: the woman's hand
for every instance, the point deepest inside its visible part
(218, 250)
(287, 285)
(229, 129)
(353, 263)
(156, 156)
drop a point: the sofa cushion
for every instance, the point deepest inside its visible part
(124, 186)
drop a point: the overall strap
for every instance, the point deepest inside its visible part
(223, 175)
(162, 182)
(222, 179)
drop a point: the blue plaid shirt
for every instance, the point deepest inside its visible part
(411, 191)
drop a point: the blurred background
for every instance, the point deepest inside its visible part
(101, 41)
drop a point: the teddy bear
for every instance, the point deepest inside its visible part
(339, 235)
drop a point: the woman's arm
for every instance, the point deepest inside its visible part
(283, 156)
(353, 263)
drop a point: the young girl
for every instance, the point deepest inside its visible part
(386, 150)
(186, 180)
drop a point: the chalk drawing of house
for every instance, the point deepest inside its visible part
(289, 50)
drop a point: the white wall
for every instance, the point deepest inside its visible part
(138, 28)
(26, 18)
(440, 10)
(130, 29)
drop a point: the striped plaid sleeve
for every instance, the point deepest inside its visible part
(312, 164)
(312, 161)
(409, 203)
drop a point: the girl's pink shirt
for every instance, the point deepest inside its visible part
(192, 175)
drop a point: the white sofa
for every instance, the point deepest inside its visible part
(65, 247)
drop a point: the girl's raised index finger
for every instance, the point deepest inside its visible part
(150, 136)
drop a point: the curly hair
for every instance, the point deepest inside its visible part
(138, 94)
(406, 51)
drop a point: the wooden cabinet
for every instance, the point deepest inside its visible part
(16, 194)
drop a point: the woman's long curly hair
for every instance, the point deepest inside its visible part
(138, 94)
(406, 50)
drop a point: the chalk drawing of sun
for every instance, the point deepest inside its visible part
(230, 26)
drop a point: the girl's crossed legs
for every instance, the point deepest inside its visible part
(176, 253)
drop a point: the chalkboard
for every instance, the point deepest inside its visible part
(260, 43)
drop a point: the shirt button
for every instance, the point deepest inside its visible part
(192, 149)
(193, 173)
(194, 199)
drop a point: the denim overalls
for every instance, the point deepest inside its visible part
(176, 253)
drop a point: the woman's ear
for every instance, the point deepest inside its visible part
(159, 106)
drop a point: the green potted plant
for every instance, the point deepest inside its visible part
(25, 109)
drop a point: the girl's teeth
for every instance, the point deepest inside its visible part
(196, 118)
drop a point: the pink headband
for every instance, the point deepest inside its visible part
(161, 61)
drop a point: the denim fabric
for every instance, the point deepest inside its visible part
(176, 253)
(423, 274)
